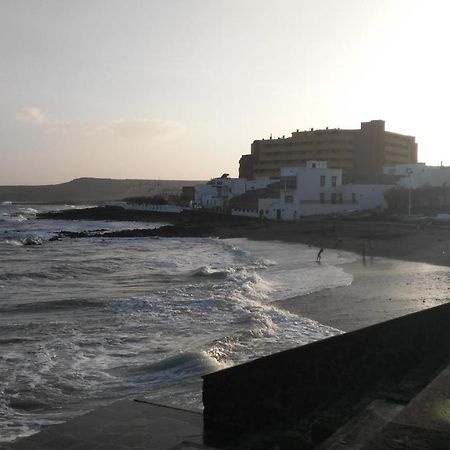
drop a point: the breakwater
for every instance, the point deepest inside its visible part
(314, 389)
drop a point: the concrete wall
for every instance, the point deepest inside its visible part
(368, 196)
(270, 207)
(281, 389)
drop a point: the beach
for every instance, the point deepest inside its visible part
(382, 289)
(400, 266)
(399, 269)
(103, 304)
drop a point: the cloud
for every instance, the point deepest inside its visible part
(33, 115)
(134, 129)
(139, 128)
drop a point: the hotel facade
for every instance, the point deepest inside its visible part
(360, 154)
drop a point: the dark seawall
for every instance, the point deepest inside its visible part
(316, 388)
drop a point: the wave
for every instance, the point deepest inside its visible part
(30, 211)
(16, 242)
(28, 240)
(16, 218)
(174, 368)
(53, 305)
(15, 340)
(210, 272)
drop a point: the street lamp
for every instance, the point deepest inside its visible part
(409, 172)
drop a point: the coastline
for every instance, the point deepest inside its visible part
(382, 289)
(375, 237)
(402, 266)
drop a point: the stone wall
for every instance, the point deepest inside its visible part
(277, 391)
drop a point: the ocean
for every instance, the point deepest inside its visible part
(87, 321)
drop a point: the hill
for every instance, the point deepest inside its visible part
(89, 190)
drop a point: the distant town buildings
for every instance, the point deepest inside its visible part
(313, 190)
(217, 192)
(318, 172)
(413, 176)
(360, 154)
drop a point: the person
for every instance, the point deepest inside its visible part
(319, 255)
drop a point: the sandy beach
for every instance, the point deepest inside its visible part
(382, 289)
(401, 268)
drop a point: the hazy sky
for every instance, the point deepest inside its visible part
(179, 89)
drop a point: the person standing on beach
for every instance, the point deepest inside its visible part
(319, 255)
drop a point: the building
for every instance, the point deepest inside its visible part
(313, 190)
(217, 192)
(418, 175)
(358, 153)
(309, 189)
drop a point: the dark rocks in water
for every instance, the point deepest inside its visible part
(32, 240)
(165, 231)
(188, 223)
(118, 213)
(77, 234)
(105, 213)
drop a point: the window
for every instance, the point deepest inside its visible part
(322, 197)
(289, 182)
(322, 180)
(333, 181)
(288, 199)
(340, 198)
(333, 197)
(353, 198)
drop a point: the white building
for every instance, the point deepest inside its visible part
(317, 190)
(217, 192)
(417, 175)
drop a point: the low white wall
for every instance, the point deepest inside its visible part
(244, 212)
(318, 209)
(157, 208)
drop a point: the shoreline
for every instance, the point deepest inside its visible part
(409, 241)
(406, 264)
(381, 290)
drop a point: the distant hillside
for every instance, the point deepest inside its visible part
(87, 190)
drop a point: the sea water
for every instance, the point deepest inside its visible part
(87, 321)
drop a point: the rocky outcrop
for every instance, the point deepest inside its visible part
(164, 231)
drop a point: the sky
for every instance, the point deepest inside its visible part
(178, 89)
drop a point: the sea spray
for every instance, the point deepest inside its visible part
(86, 321)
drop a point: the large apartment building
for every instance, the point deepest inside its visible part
(359, 153)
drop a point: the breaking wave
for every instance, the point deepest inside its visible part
(86, 321)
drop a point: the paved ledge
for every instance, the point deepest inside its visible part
(123, 425)
(424, 424)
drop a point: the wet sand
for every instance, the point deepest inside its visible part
(382, 289)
